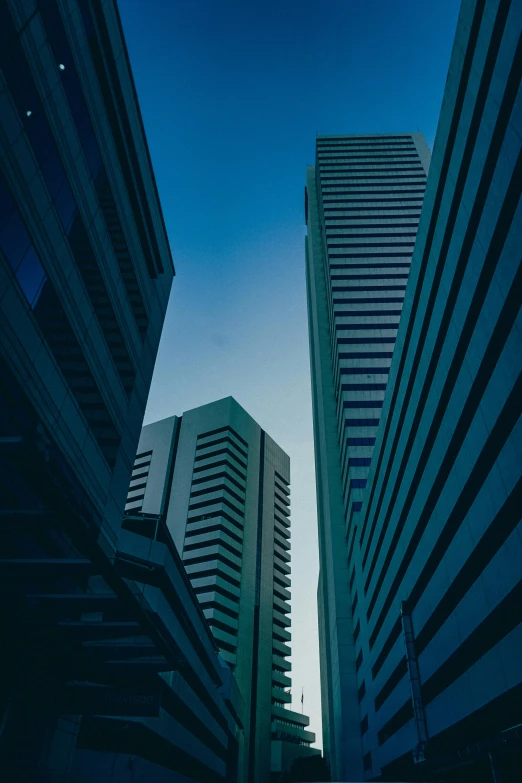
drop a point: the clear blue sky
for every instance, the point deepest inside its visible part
(233, 93)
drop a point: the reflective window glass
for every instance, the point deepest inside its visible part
(31, 276)
(14, 240)
(65, 206)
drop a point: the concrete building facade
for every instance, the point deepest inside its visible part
(102, 636)
(432, 560)
(362, 201)
(226, 488)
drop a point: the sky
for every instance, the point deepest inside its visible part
(233, 93)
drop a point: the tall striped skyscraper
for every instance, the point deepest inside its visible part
(421, 591)
(223, 486)
(363, 200)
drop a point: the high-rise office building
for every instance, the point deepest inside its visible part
(224, 485)
(432, 561)
(363, 201)
(105, 651)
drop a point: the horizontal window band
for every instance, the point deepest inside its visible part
(214, 587)
(364, 370)
(361, 422)
(352, 387)
(362, 403)
(216, 502)
(394, 635)
(365, 355)
(391, 683)
(387, 164)
(362, 288)
(385, 267)
(375, 276)
(330, 226)
(371, 300)
(392, 245)
(359, 462)
(213, 515)
(368, 314)
(366, 145)
(135, 487)
(501, 527)
(213, 489)
(360, 441)
(214, 604)
(219, 463)
(190, 558)
(226, 646)
(402, 192)
(142, 455)
(379, 234)
(362, 256)
(372, 174)
(364, 340)
(223, 429)
(358, 154)
(217, 441)
(498, 238)
(218, 526)
(214, 623)
(216, 541)
(226, 450)
(216, 477)
(214, 571)
(136, 476)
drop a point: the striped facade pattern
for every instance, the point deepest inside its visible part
(370, 191)
(138, 484)
(440, 527)
(223, 486)
(363, 201)
(434, 556)
(214, 533)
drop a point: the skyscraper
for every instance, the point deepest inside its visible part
(363, 200)
(225, 489)
(432, 579)
(85, 276)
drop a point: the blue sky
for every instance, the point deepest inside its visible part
(233, 93)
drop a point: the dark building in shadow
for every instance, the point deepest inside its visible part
(109, 670)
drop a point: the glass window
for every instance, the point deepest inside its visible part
(65, 206)
(14, 240)
(31, 276)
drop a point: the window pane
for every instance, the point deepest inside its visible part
(14, 240)
(65, 206)
(31, 276)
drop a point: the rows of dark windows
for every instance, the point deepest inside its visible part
(366, 234)
(345, 178)
(365, 287)
(76, 100)
(365, 355)
(369, 300)
(27, 100)
(337, 226)
(110, 83)
(355, 191)
(369, 158)
(364, 340)
(366, 313)
(54, 324)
